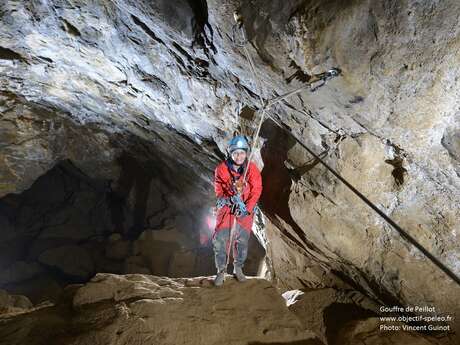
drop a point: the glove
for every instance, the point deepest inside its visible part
(240, 213)
(236, 200)
(238, 207)
(221, 202)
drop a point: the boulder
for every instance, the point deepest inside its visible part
(71, 260)
(135, 264)
(42, 288)
(13, 303)
(118, 250)
(182, 263)
(20, 271)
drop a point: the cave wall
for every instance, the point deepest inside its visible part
(382, 126)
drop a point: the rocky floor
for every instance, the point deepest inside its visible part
(141, 309)
(145, 309)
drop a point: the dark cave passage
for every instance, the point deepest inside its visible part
(68, 226)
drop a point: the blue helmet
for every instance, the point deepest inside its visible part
(238, 142)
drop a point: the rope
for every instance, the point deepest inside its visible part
(256, 133)
(258, 85)
(334, 72)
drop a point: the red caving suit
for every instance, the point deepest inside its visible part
(223, 184)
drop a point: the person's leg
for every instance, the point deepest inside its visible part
(219, 244)
(240, 251)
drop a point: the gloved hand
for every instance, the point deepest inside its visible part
(236, 200)
(241, 213)
(221, 202)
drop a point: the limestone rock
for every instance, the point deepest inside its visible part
(158, 248)
(102, 263)
(141, 309)
(368, 332)
(263, 315)
(348, 317)
(172, 235)
(20, 271)
(41, 288)
(182, 264)
(164, 83)
(13, 303)
(136, 264)
(118, 249)
(72, 260)
(325, 311)
(40, 245)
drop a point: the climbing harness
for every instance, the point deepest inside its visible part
(322, 78)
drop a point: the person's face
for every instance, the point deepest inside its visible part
(239, 156)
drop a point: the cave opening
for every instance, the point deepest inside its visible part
(338, 315)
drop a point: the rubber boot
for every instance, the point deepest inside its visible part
(238, 273)
(220, 277)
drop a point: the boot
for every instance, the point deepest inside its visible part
(219, 280)
(238, 273)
